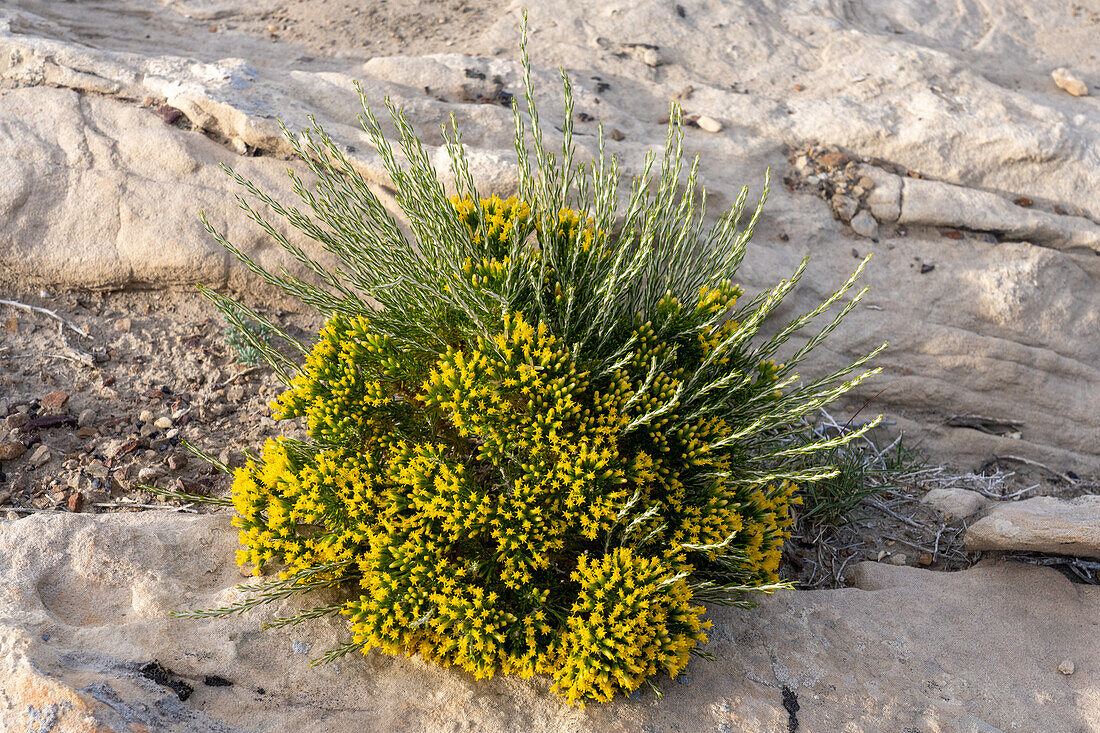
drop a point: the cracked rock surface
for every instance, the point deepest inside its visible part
(84, 615)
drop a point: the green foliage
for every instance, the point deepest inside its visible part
(241, 338)
(553, 430)
(863, 470)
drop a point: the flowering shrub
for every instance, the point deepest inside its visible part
(555, 434)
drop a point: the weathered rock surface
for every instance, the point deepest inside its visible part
(956, 503)
(1042, 524)
(84, 603)
(100, 192)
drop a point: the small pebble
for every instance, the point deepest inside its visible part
(41, 456)
(1066, 79)
(146, 416)
(11, 451)
(148, 475)
(899, 559)
(169, 114)
(925, 559)
(122, 325)
(163, 422)
(17, 420)
(864, 225)
(709, 124)
(845, 206)
(650, 57)
(832, 160)
(76, 501)
(176, 461)
(1067, 667)
(53, 402)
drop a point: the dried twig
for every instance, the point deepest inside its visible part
(163, 507)
(237, 376)
(45, 311)
(1033, 464)
(883, 508)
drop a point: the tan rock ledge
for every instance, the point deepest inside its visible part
(1042, 524)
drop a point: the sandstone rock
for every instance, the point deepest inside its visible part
(1066, 80)
(833, 160)
(87, 418)
(864, 225)
(53, 402)
(16, 420)
(1042, 524)
(11, 451)
(97, 470)
(933, 203)
(86, 605)
(884, 197)
(148, 475)
(956, 503)
(41, 456)
(164, 422)
(845, 206)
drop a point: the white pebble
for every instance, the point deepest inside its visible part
(1065, 79)
(651, 58)
(709, 124)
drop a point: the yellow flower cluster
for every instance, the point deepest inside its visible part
(511, 512)
(503, 220)
(629, 621)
